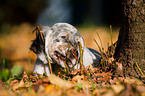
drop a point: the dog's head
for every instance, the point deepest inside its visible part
(62, 44)
(59, 43)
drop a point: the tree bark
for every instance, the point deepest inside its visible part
(131, 41)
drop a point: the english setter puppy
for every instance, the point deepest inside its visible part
(61, 44)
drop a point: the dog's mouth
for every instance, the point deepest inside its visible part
(71, 58)
(38, 44)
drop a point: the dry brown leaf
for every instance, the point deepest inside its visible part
(49, 88)
(90, 67)
(109, 93)
(41, 89)
(33, 78)
(53, 90)
(25, 76)
(99, 91)
(78, 77)
(140, 88)
(21, 84)
(86, 84)
(36, 84)
(3, 91)
(110, 60)
(59, 82)
(14, 82)
(73, 92)
(117, 88)
(72, 82)
(31, 92)
(143, 94)
(131, 81)
(113, 81)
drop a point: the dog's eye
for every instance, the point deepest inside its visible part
(63, 37)
(57, 40)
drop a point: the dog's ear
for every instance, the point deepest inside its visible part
(38, 44)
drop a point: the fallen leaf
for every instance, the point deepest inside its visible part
(31, 92)
(86, 84)
(78, 77)
(21, 84)
(41, 89)
(25, 76)
(143, 94)
(53, 90)
(49, 88)
(73, 92)
(131, 81)
(14, 82)
(99, 91)
(109, 93)
(140, 88)
(36, 84)
(117, 88)
(59, 82)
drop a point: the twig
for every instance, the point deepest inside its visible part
(139, 69)
(111, 40)
(81, 59)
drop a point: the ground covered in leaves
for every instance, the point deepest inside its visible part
(96, 84)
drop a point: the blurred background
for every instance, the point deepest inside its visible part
(18, 19)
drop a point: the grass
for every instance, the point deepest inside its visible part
(7, 73)
(104, 60)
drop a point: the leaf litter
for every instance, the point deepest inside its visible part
(95, 83)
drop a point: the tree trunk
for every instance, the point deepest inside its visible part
(131, 41)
